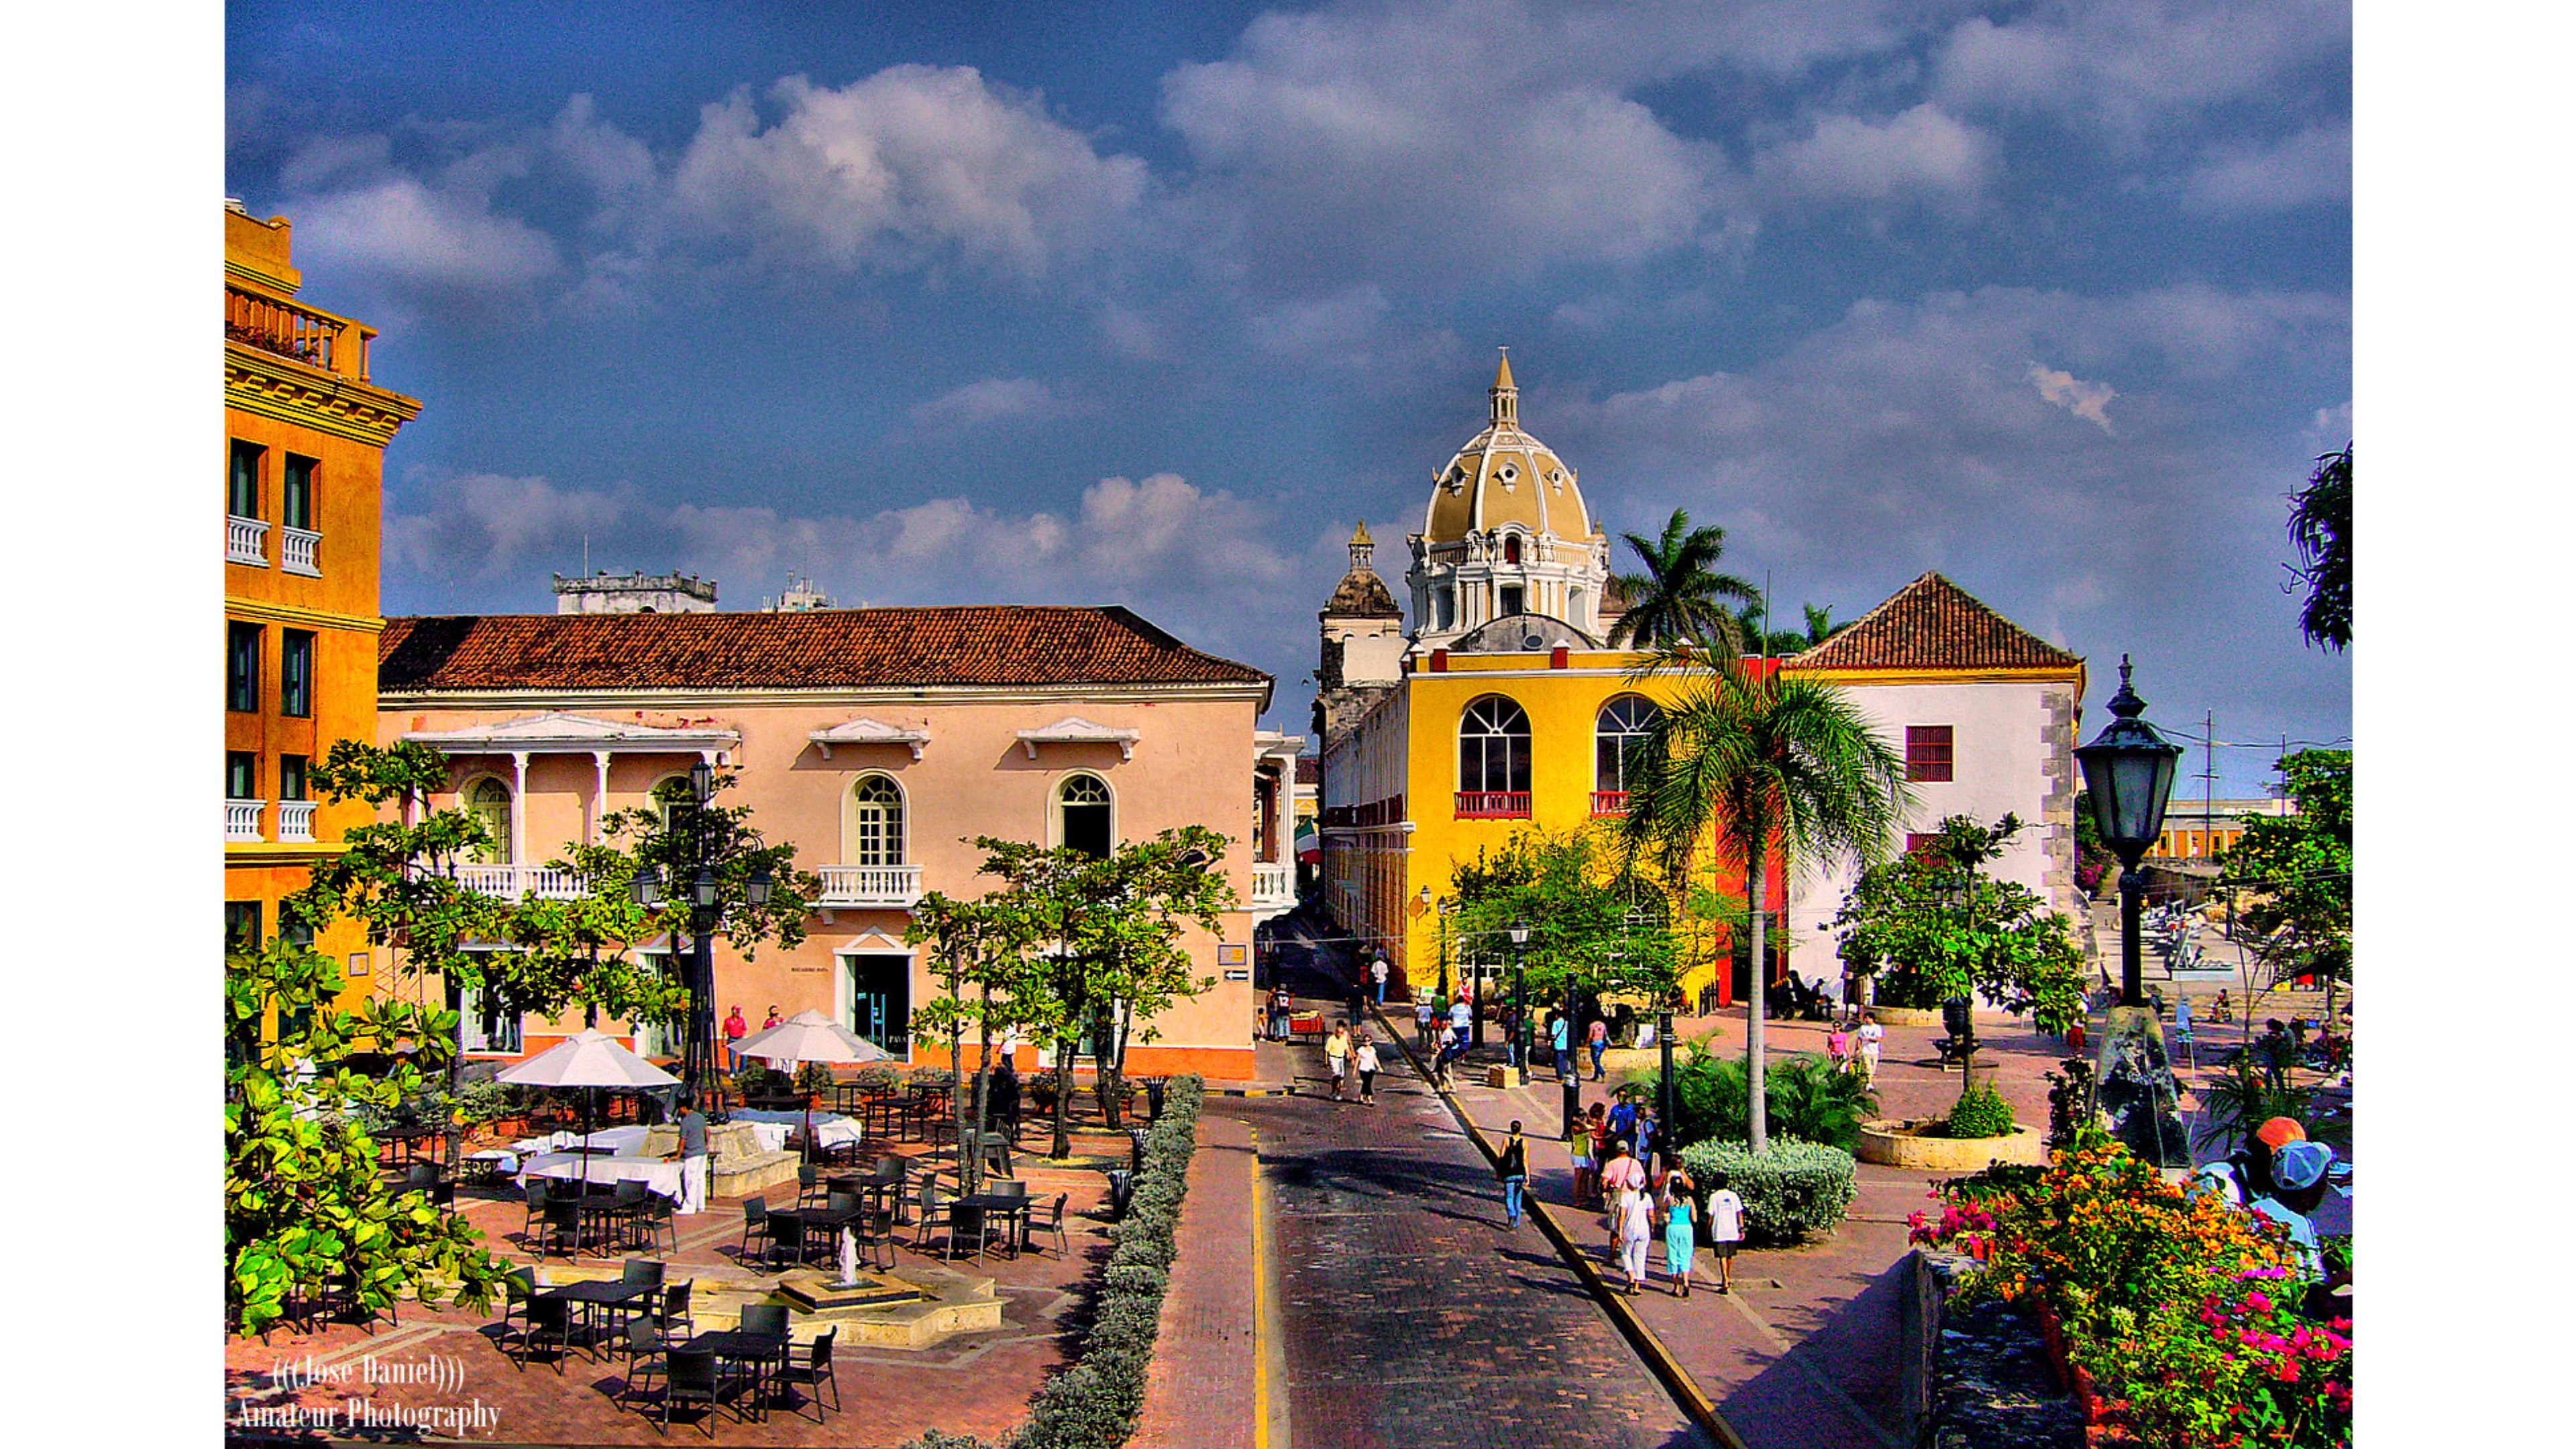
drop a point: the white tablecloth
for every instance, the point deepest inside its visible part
(613, 1139)
(830, 1128)
(656, 1175)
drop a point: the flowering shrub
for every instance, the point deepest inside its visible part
(2178, 1305)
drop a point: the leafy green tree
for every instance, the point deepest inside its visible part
(1753, 620)
(304, 1202)
(1679, 598)
(1771, 768)
(977, 944)
(2294, 873)
(2321, 527)
(1804, 1098)
(1932, 925)
(1105, 950)
(1596, 925)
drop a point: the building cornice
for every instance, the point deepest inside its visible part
(291, 392)
(248, 853)
(238, 607)
(2032, 674)
(1247, 692)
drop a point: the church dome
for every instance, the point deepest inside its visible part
(1505, 476)
(1361, 593)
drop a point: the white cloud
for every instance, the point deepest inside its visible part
(1919, 153)
(914, 164)
(987, 402)
(488, 526)
(403, 233)
(2130, 65)
(2312, 166)
(2084, 399)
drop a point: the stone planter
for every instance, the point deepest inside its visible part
(1907, 1015)
(1910, 1144)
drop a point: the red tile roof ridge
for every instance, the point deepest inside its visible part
(1932, 623)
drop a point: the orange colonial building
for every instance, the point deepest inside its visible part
(305, 431)
(878, 742)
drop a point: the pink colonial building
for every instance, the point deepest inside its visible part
(877, 741)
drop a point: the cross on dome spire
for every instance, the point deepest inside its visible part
(1506, 396)
(1361, 546)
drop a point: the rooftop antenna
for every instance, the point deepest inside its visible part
(585, 553)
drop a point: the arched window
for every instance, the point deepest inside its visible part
(489, 801)
(671, 796)
(1082, 815)
(1622, 727)
(1512, 549)
(1494, 747)
(876, 822)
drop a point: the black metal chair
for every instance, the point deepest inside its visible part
(516, 1290)
(814, 1373)
(933, 1213)
(536, 1210)
(789, 1239)
(674, 1313)
(764, 1318)
(659, 1217)
(689, 1377)
(337, 1296)
(640, 1270)
(965, 1218)
(809, 1183)
(875, 1229)
(547, 1318)
(755, 1219)
(646, 1348)
(1053, 1223)
(567, 1225)
(625, 1211)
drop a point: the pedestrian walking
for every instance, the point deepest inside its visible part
(1681, 1232)
(1337, 1056)
(1462, 1019)
(693, 1156)
(735, 1029)
(1378, 972)
(1635, 1216)
(1423, 1007)
(1598, 1038)
(1578, 1150)
(1871, 1035)
(1512, 1170)
(1838, 1043)
(1725, 1228)
(1622, 1169)
(1560, 1037)
(1280, 1012)
(2274, 1051)
(2075, 1040)
(1365, 1059)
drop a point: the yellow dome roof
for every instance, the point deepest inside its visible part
(1504, 475)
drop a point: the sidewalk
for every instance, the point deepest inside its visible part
(1205, 1387)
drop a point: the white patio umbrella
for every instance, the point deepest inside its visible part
(592, 1058)
(810, 1036)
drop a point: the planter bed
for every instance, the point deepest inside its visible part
(1912, 1144)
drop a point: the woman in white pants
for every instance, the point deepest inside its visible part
(1635, 1215)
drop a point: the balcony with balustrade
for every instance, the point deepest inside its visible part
(521, 882)
(1493, 804)
(295, 820)
(245, 541)
(243, 818)
(869, 887)
(299, 551)
(1609, 802)
(1274, 890)
(296, 332)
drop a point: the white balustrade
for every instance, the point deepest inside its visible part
(1273, 885)
(299, 551)
(517, 882)
(295, 820)
(869, 885)
(242, 818)
(245, 541)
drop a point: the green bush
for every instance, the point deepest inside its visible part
(814, 1077)
(1093, 1405)
(926, 1078)
(877, 1076)
(1802, 1097)
(1793, 1189)
(1979, 1112)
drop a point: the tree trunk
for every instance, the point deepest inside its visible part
(1113, 1070)
(983, 1078)
(957, 1095)
(1754, 1000)
(1063, 1146)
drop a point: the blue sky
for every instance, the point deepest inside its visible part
(1148, 303)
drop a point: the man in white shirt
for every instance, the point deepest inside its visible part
(1725, 1229)
(1462, 1018)
(1871, 1035)
(1378, 973)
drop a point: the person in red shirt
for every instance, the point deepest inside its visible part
(734, 1031)
(773, 1019)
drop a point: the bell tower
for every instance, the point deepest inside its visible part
(1362, 637)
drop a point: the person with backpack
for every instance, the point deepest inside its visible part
(1512, 1170)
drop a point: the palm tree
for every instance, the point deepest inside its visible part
(1761, 640)
(1764, 766)
(1676, 600)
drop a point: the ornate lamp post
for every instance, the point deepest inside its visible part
(705, 899)
(2129, 772)
(1520, 996)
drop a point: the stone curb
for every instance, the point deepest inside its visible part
(1676, 1379)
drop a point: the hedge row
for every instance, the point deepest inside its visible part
(1093, 1405)
(1792, 1190)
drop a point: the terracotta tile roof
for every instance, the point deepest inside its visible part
(1932, 623)
(816, 649)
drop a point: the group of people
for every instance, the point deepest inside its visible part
(735, 1029)
(1637, 1207)
(1853, 1045)
(2281, 1174)
(1349, 1054)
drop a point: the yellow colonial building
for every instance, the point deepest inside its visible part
(305, 429)
(1502, 710)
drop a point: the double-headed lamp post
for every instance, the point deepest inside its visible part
(1520, 996)
(2129, 772)
(705, 911)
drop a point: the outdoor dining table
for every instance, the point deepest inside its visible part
(606, 1294)
(888, 1118)
(764, 1350)
(1011, 1207)
(881, 1190)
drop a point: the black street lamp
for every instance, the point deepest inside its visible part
(2129, 771)
(1664, 1124)
(704, 897)
(1520, 995)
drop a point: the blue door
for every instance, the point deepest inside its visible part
(881, 1001)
